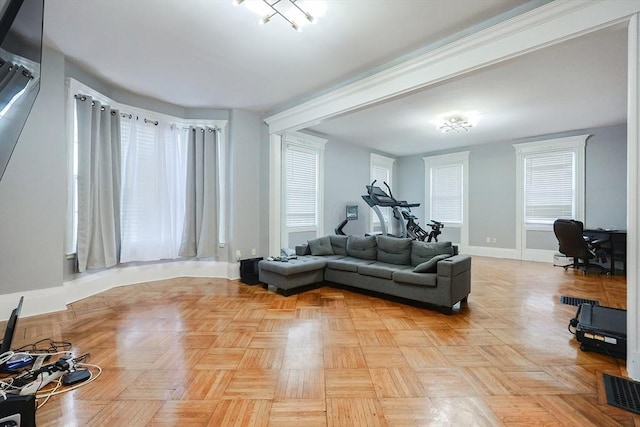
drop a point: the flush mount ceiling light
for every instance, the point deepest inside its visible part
(297, 13)
(456, 121)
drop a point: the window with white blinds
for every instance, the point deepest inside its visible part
(550, 181)
(447, 193)
(301, 186)
(549, 187)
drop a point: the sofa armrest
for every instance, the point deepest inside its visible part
(303, 249)
(454, 265)
(454, 274)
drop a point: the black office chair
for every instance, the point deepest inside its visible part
(573, 244)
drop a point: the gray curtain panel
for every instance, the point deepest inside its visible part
(98, 184)
(200, 235)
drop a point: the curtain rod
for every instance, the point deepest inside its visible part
(210, 129)
(153, 122)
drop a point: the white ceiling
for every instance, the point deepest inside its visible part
(574, 85)
(210, 54)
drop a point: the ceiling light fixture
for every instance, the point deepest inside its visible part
(296, 13)
(456, 121)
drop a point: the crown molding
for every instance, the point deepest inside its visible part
(549, 24)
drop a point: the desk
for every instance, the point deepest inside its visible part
(617, 245)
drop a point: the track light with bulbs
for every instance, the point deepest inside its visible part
(296, 13)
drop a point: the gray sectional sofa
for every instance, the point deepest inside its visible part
(420, 273)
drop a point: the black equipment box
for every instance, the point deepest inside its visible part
(249, 271)
(18, 411)
(602, 329)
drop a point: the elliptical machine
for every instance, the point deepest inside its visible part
(376, 197)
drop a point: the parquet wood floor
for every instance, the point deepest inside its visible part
(210, 352)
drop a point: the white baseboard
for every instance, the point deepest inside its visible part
(48, 300)
(538, 255)
(38, 301)
(233, 270)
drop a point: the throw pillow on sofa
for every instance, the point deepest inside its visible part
(339, 244)
(424, 251)
(431, 265)
(321, 246)
(362, 247)
(394, 250)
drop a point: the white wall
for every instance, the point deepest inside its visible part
(345, 175)
(245, 150)
(33, 191)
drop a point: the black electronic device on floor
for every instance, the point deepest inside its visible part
(18, 411)
(20, 360)
(249, 271)
(602, 329)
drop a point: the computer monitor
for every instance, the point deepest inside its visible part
(11, 328)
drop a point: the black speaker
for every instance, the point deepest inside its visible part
(18, 411)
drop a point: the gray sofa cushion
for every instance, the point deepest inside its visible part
(423, 251)
(347, 264)
(430, 266)
(380, 269)
(394, 250)
(413, 278)
(303, 249)
(321, 246)
(294, 266)
(362, 247)
(339, 244)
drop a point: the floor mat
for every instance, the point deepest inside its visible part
(577, 301)
(622, 393)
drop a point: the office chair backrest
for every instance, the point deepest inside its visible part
(570, 240)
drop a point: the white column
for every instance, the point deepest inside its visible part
(275, 193)
(633, 196)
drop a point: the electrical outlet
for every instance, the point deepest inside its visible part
(493, 240)
(253, 251)
(238, 254)
(488, 239)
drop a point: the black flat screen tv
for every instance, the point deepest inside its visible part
(20, 59)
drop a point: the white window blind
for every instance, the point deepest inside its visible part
(447, 193)
(301, 186)
(549, 187)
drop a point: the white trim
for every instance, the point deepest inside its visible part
(461, 157)
(275, 194)
(550, 145)
(305, 140)
(69, 236)
(576, 144)
(489, 252)
(535, 255)
(41, 301)
(377, 159)
(543, 26)
(633, 202)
